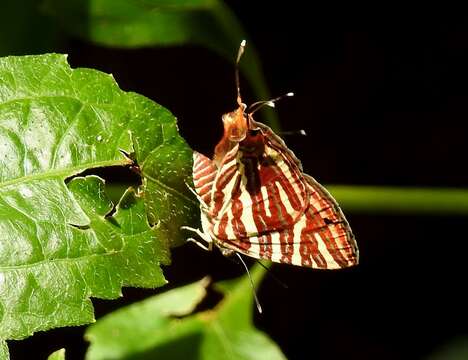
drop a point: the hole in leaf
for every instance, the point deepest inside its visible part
(110, 214)
(117, 179)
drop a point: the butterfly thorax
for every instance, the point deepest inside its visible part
(258, 187)
(253, 146)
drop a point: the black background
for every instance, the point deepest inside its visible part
(382, 94)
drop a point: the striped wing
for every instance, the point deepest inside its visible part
(204, 173)
(254, 195)
(268, 209)
(320, 239)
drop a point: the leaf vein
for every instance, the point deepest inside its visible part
(64, 134)
(170, 189)
(52, 262)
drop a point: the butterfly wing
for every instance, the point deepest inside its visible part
(312, 242)
(268, 209)
(204, 173)
(253, 195)
(321, 238)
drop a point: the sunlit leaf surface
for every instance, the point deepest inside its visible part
(164, 327)
(62, 240)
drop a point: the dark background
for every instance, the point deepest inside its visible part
(382, 94)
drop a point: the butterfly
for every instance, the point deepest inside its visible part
(256, 200)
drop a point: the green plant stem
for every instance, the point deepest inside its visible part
(401, 200)
(381, 199)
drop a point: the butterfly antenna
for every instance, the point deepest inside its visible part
(259, 104)
(239, 55)
(269, 273)
(259, 307)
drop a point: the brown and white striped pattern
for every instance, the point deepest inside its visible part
(267, 208)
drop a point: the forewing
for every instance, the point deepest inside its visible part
(256, 195)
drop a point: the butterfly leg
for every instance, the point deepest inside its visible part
(203, 236)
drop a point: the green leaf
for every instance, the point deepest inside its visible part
(230, 331)
(132, 24)
(57, 355)
(142, 326)
(170, 162)
(163, 327)
(64, 242)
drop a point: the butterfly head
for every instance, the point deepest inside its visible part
(239, 126)
(236, 124)
(240, 129)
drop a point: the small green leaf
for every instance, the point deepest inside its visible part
(142, 326)
(57, 355)
(230, 331)
(61, 239)
(131, 24)
(163, 327)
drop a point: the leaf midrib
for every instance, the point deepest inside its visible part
(58, 260)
